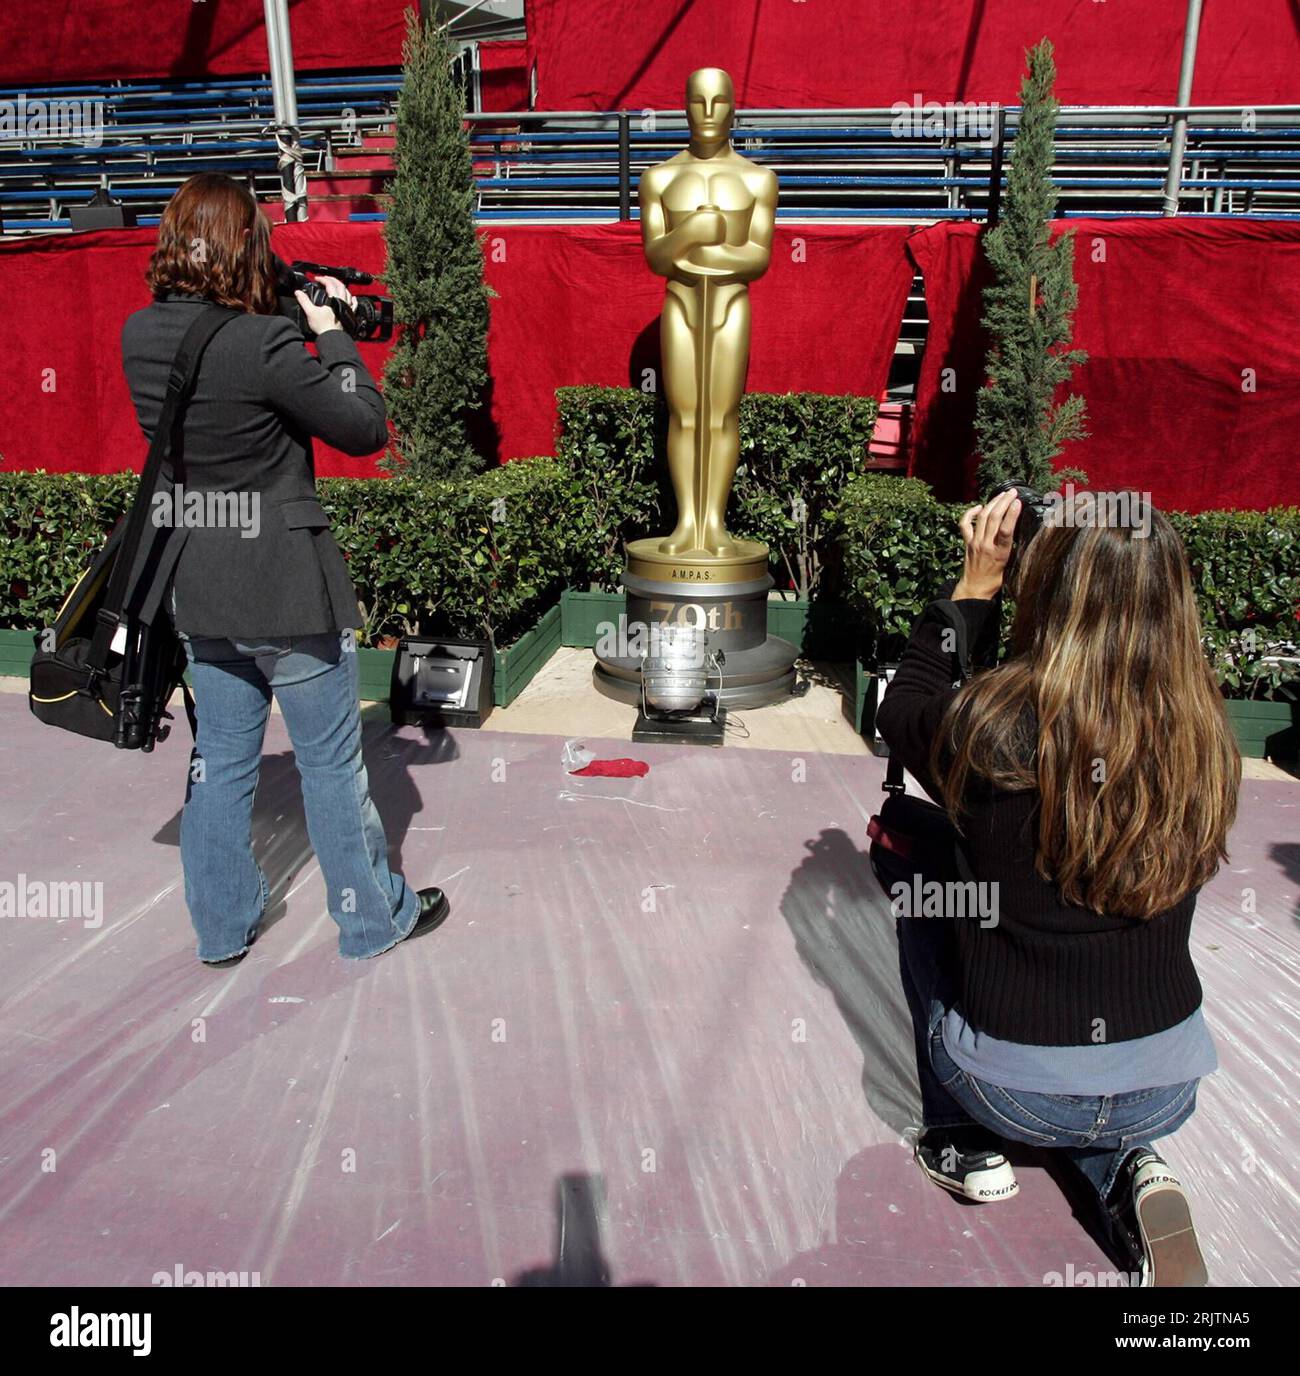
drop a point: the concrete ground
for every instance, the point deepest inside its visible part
(562, 700)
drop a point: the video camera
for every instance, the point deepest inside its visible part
(371, 319)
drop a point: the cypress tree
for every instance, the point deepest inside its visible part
(437, 370)
(1019, 426)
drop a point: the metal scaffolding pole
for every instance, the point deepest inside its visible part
(1178, 134)
(293, 175)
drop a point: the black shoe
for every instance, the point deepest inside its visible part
(434, 908)
(227, 963)
(1154, 1224)
(967, 1161)
(234, 960)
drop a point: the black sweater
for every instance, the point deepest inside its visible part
(1048, 973)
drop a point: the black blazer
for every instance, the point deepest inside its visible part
(258, 400)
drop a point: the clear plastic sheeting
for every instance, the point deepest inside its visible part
(660, 1040)
(576, 756)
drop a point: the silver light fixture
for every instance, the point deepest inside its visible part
(677, 703)
(673, 675)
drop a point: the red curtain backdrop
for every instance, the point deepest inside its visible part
(574, 305)
(604, 54)
(1180, 320)
(1193, 376)
(610, 54)
(579, 305)
(87, 40)
(503, 75)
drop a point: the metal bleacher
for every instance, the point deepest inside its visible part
(145, 138)
(879, 165)
(871, 164)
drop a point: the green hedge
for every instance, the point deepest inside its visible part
(608, 438)
(489, 555)
(427, 553)
(899, 546)
(797, 450)
(484, 556)
(50, 526)
(1246, 568)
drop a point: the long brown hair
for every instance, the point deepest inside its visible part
(213, 241)
(1106, 705)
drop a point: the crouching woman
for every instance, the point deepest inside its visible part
(1093, 779)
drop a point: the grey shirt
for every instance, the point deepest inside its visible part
(1171, 1057)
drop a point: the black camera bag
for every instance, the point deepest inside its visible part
(78, 680)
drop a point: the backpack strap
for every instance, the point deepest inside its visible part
(180, 383)
(191, 711)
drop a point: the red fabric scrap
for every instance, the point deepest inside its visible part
(612, 769)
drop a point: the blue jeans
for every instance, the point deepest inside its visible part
(1095, 1133)
(314, 679)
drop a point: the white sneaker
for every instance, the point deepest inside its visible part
(1171, 1256)
(968, 1162)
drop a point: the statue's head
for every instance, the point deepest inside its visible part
(710, 104)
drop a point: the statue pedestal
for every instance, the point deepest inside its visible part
(725, 598)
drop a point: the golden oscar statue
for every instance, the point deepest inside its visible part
(706, 222)
(707, 218)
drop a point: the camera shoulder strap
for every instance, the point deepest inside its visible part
(180, 382)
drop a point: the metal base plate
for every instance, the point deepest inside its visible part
(681, 730)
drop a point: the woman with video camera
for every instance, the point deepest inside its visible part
(1092, 777)
(268, 609)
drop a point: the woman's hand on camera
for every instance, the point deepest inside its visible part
(988, 531)
(322, 318)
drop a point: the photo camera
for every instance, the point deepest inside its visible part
(371, 319)
(1034, 507)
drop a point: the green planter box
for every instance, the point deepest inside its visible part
(864, 694)
(374, 674)
(1263, 729)
(788, 618)
(820, 630)
(583, 614)
(792, 619)
(867, 684)
(1266, 729)
(16, 651)
(516, 667)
